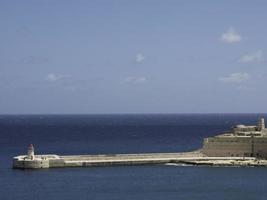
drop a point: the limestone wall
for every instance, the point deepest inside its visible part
(235, 146)
(56, 163)
(30, 164)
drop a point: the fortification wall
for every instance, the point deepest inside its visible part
(235, 146)
(260, 147)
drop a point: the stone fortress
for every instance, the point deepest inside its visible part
(241, 146)
(241, 140)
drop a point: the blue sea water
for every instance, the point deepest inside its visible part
(95, 134)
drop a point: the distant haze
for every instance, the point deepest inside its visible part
(141, 56)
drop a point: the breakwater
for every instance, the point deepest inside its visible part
(188, 158)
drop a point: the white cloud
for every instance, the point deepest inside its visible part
(136, 80)
(253, 57)
(231, 36)
(139, 58)
(235, 78)
(55, 77)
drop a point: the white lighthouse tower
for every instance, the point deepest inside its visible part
(261, 124)
(31, 152)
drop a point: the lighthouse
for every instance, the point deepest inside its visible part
(261, 124)
(31, 152)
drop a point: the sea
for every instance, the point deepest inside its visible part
(123, 133)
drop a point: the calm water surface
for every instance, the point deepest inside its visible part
(92, 134)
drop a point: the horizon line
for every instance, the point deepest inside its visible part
(181, 113)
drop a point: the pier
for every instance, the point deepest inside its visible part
(32, 161)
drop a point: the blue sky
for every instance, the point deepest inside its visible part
(143, 56)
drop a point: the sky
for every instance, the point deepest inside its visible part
(142, 56)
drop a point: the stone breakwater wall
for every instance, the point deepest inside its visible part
(54, 161)
(191, 158)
